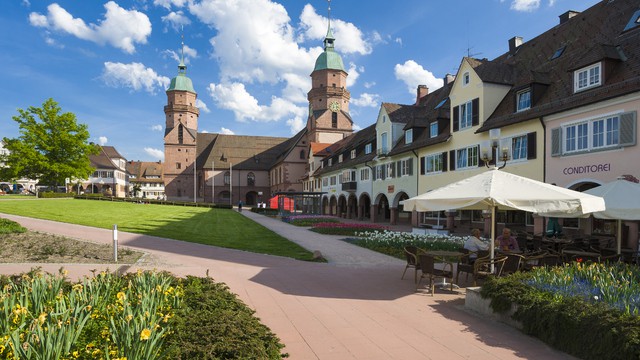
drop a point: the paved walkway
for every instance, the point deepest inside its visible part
(353, 307)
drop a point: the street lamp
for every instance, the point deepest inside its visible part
(213, 183)
(501, 146)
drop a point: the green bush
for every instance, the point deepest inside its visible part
(213, 324)
(151, 201)
(570, 324)
(266, 211)
(10, 227)
(52, 195)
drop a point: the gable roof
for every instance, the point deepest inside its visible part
(102, 160)
(143, 169)
(597, 34)
(243, 152)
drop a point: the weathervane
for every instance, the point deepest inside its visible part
(329, 11)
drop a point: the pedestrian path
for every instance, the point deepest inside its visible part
(353, 307)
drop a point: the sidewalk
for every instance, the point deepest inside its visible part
(353, 307)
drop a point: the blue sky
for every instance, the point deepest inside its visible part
(109, 62)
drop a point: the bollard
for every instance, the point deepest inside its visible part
(115, 242)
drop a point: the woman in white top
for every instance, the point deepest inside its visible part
(474, 244)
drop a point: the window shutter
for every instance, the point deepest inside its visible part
(531, 145)
(556, 141)
(475, 112)
(410, 166)
(480, 162)
(422, 165)
(628, 129)
(456, 120)
(375, 173)
(444, 161)
(384, 172)
(452, 160)
(399, 168)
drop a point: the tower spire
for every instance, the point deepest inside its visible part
(182, 68)
(328, 40)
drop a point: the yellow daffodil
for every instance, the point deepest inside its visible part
(145, 334)
(42, 318)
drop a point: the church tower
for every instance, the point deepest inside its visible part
(181, 130)
(329, 119)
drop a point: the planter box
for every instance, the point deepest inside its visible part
(475, 302)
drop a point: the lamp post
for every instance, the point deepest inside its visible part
(194, 181)
(213, 183)
(230, 184)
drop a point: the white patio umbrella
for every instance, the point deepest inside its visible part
(621, 198)
(495, 189)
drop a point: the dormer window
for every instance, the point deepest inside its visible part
(330, 162)
(433, 129)
(368, 148)
(523, 100)
(340, 158)
(408, 136)
(466, 78)
(353, 153)
(588, 77)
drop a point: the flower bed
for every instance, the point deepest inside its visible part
(146, 315)
(309, 220)
(348, 229)
(587, 310)
(393, 242)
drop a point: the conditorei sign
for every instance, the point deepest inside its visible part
(586, 169)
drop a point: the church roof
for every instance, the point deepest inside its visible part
(329, 58)
(244, 152)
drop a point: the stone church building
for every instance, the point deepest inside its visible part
(209, 167)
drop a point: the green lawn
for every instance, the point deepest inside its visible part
(219, 227)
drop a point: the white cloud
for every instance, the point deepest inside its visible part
(525, 5)
(120, 28)
(167, 3)
(413, 74)
(366, 100)
(176, 19)
(295, 125)
(157, 127)
(369, 85)
(356, 127)
(245, 107)
(202, 106)
(102, 140)
(155, 153)
(188, 54)
(349, 38)
(135, 76)
(226, 131)
(354, 72)
(398, 41)
(26, 3)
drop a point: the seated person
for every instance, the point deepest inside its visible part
(474, 244)
(506, 242)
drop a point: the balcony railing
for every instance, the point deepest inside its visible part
(350, 186)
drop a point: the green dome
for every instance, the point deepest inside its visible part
(181, 83)
(329, 59)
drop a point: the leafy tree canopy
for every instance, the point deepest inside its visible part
(51, 146)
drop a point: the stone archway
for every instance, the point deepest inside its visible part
(398, 215)
(251, 199)
(382, 209)
(325, 206)
(352, 207)
(342, 206)
(333, 206)
(364, 207)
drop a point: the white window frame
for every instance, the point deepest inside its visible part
(368, 148)
(364, 174)
(433, 164)
(379, 172)
(404, 167)
(610, 134)
(333, 181)
(433, 129)
(408, 136)
(519, 148)
(466, 78)
(587, 77)
(340, 158)
(465, 116)
(353, 153)
(470, 156)
(384, 137)
(325, 181)
(519, 103)
(330, 162)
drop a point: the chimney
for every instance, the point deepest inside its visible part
(422, 91)
(448, 79)
(568, 15)
(514, 43)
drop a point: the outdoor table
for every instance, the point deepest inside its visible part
(582, 253)
(557, 243)
(442, 255)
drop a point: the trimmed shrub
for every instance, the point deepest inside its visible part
(52, 195)
(10, 227)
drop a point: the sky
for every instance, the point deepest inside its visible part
(110, 62)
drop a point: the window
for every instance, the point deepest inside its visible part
(389, 170)
(380, 172)
(353, 153)
(587, 77)
(467, 157)
(367, 149)
(441, 103)
(406, 167)
(558, 53)
(433, 129)
(519, 147)
(577, 137)
(433, 163)
(302, 154)
(364, 174)
(466, 78)
(606, 132)
(340, 158)
(251, 179)
(383, 142)
(524, 100)
(384, 118)
(325, 181)
(332, 181)
(408, 136)
(348, 176)
(330, 162)
(334, 120)
(227, 178)
(466, 113)
(178, 166)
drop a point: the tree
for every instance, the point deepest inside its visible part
(51, 146)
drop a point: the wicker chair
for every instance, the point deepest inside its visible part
(482, 268)
(411, 254)
(428, 270)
